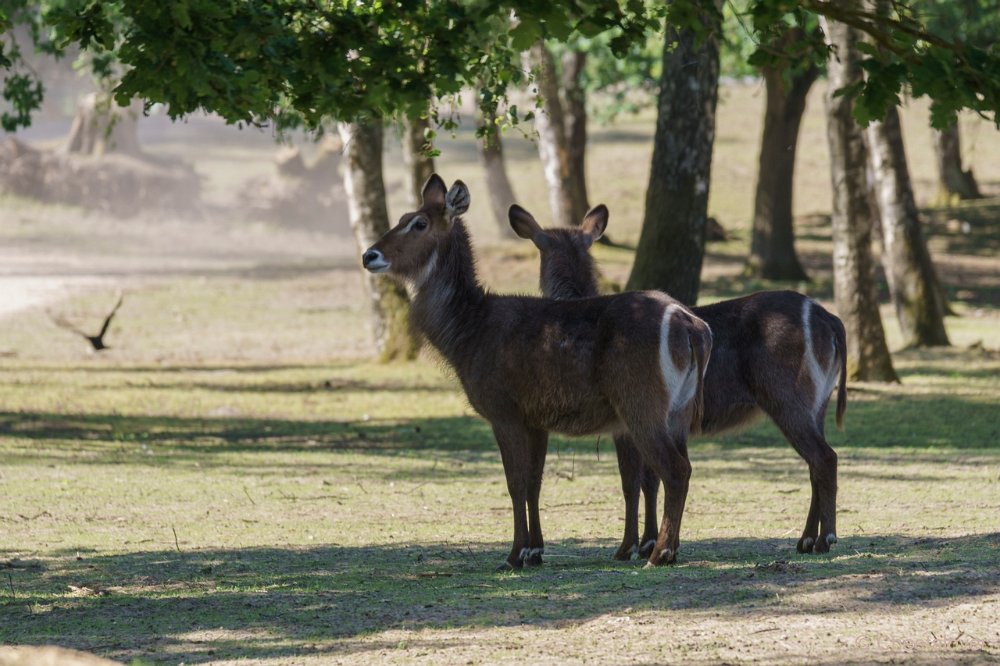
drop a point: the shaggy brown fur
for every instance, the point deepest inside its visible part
(531, 366)
(776, 353)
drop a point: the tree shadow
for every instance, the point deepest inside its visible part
(972, 228)
(281, 602)
(254, 445)
(244, 443)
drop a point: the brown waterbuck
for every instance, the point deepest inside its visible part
(776, 352)
(627, 363)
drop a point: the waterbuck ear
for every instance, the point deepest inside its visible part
(457, 201)
(434, 191)
(522, 222)
(525, 226)
(595, 222)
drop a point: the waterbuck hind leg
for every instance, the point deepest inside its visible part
(631, 469)
(514, 443)
(811, 530)
(539, 443)
(650, 490)
(672, 467)
(820, 531)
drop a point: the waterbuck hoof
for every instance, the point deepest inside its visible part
(534, 557)
(805, 545)
(823, 544)
(624, 554)
(646, 549)
(505, 566)
(666, 556)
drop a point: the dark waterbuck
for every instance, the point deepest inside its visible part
(628, 363)
(775, 352)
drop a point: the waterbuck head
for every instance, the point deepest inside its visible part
(409, 249)
(567, 268)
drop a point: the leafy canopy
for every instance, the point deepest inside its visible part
(306, 61)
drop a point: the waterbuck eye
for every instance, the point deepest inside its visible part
(420, 224)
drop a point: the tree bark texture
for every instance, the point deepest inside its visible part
(420, 167)
(497, 183)
(909, 270)
(953, 182)
(550, 124)
(672, 241)
(853, 266)
(772, 246)
(365, 191)
(575, 115)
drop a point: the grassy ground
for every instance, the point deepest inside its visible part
(234, 481)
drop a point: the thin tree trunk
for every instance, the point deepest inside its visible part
(672, 240)
(953, 182)
(497, 183)
(575, 118)
(551, 127)
(419, 165)
(909, 270)
(853, 266)
(772, 246)
(370, 220)
(100, 126)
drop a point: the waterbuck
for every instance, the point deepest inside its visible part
(775, 352)
(627, 363)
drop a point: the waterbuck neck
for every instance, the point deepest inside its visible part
(448, 298)
(567, 269)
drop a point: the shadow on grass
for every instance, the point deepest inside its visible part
(919, 422)
(224, 379)
(240, 442)
(970, 229)
(271, 602)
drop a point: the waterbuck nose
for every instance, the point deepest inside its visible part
(370, 256)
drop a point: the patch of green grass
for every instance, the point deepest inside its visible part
(346, 510)
(233, 481)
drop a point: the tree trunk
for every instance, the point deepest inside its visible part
(100, 126)
(953, 182)
(370, 220)
(672, 240)
(419, 165)
(551, 127)
(909, 270)
(575, 117)
(772, 247)
(853, 267)
(497, 183)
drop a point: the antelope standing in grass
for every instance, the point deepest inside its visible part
(627, 363)
(775, 352)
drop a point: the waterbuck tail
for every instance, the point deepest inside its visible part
(841, 345)
(701, 345)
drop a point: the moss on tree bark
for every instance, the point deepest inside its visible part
(854, 290)
(370, 220)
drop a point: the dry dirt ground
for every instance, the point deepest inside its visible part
(234, 481)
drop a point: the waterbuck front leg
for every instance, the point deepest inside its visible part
(630, 468)
(515, 452)
(539, 444)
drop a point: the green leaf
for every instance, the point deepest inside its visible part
(526, 33)
(179, 12)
